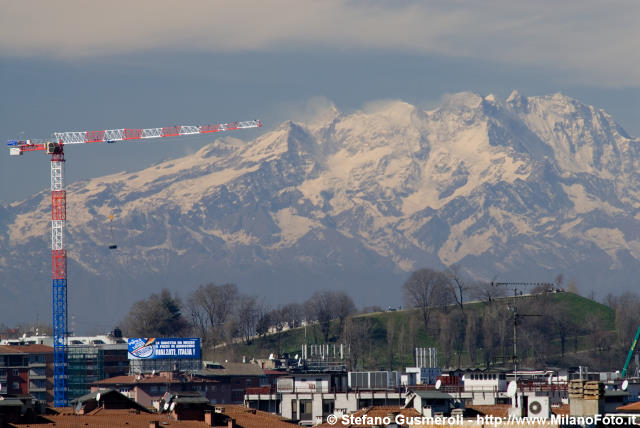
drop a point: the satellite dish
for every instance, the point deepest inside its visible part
(512, 389)
(550, 379)
(271, 356)
(153, 372)
(173, 406)
(98, 396)
(438, 384)
(625, 385)
(296, 357)
(166, 406)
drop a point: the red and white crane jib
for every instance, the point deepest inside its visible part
(17, 147)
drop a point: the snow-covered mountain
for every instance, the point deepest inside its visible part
(524, 188)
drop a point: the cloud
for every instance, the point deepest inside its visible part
(590, 41)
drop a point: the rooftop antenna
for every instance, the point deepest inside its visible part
(516, 316)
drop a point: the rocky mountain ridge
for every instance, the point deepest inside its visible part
(524, 188)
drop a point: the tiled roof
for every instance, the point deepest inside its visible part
(497, 410)
(131, 380)
(632, 407)
(274, 372)
(25, 349)
(250, 418)
(111, 418)
(561, 410)
(245, 418)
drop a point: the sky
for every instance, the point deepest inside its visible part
(76, 65)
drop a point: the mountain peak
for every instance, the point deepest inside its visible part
(462, 100)
(544, 182)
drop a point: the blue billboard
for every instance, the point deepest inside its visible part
(154, 348)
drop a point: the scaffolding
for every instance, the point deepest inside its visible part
(85, 366)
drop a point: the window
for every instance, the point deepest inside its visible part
(294, 409)
(154, 388)
(16, 372)
(306, 410)
(327, 407)
(15, 386)
(3, 372)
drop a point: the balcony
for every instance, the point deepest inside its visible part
(37, 388)
(261, 390)
(37, 374)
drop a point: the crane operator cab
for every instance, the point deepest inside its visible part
(113, 245)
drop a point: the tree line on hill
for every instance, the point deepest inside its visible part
(471, 323)
(221, 314)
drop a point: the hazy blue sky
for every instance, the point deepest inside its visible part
(77, 65)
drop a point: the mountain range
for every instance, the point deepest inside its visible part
(520, 189)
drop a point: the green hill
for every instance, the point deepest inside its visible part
(479, 336)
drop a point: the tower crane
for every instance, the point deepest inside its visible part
(55, 148)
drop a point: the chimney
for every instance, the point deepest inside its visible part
(231, 423)
(208, 418)
(154, 424)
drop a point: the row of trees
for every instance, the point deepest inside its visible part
(550, 330)
(220, 313)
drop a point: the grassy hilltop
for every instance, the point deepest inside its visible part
(562, 329)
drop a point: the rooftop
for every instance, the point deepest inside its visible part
(432, 394)
(152, 379)
(233, 369)
(107, 418)
(25, 349)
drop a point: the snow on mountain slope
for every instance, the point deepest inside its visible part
(528, 188)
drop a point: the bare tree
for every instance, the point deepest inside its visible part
(328, 305)
(487, 291)
(391, 338)
(292, 314)
(265, 322)
(459, 284)
(423, 290)
(343, 306)
(356, 334)
(249, 313)
(211, 306)
(198, 318)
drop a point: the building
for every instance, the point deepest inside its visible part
(309, 397)
(234, 379)
(149, 390)
(89, 363)
(111, 409)
(430, 403)
(90, 359)
(27, 369)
